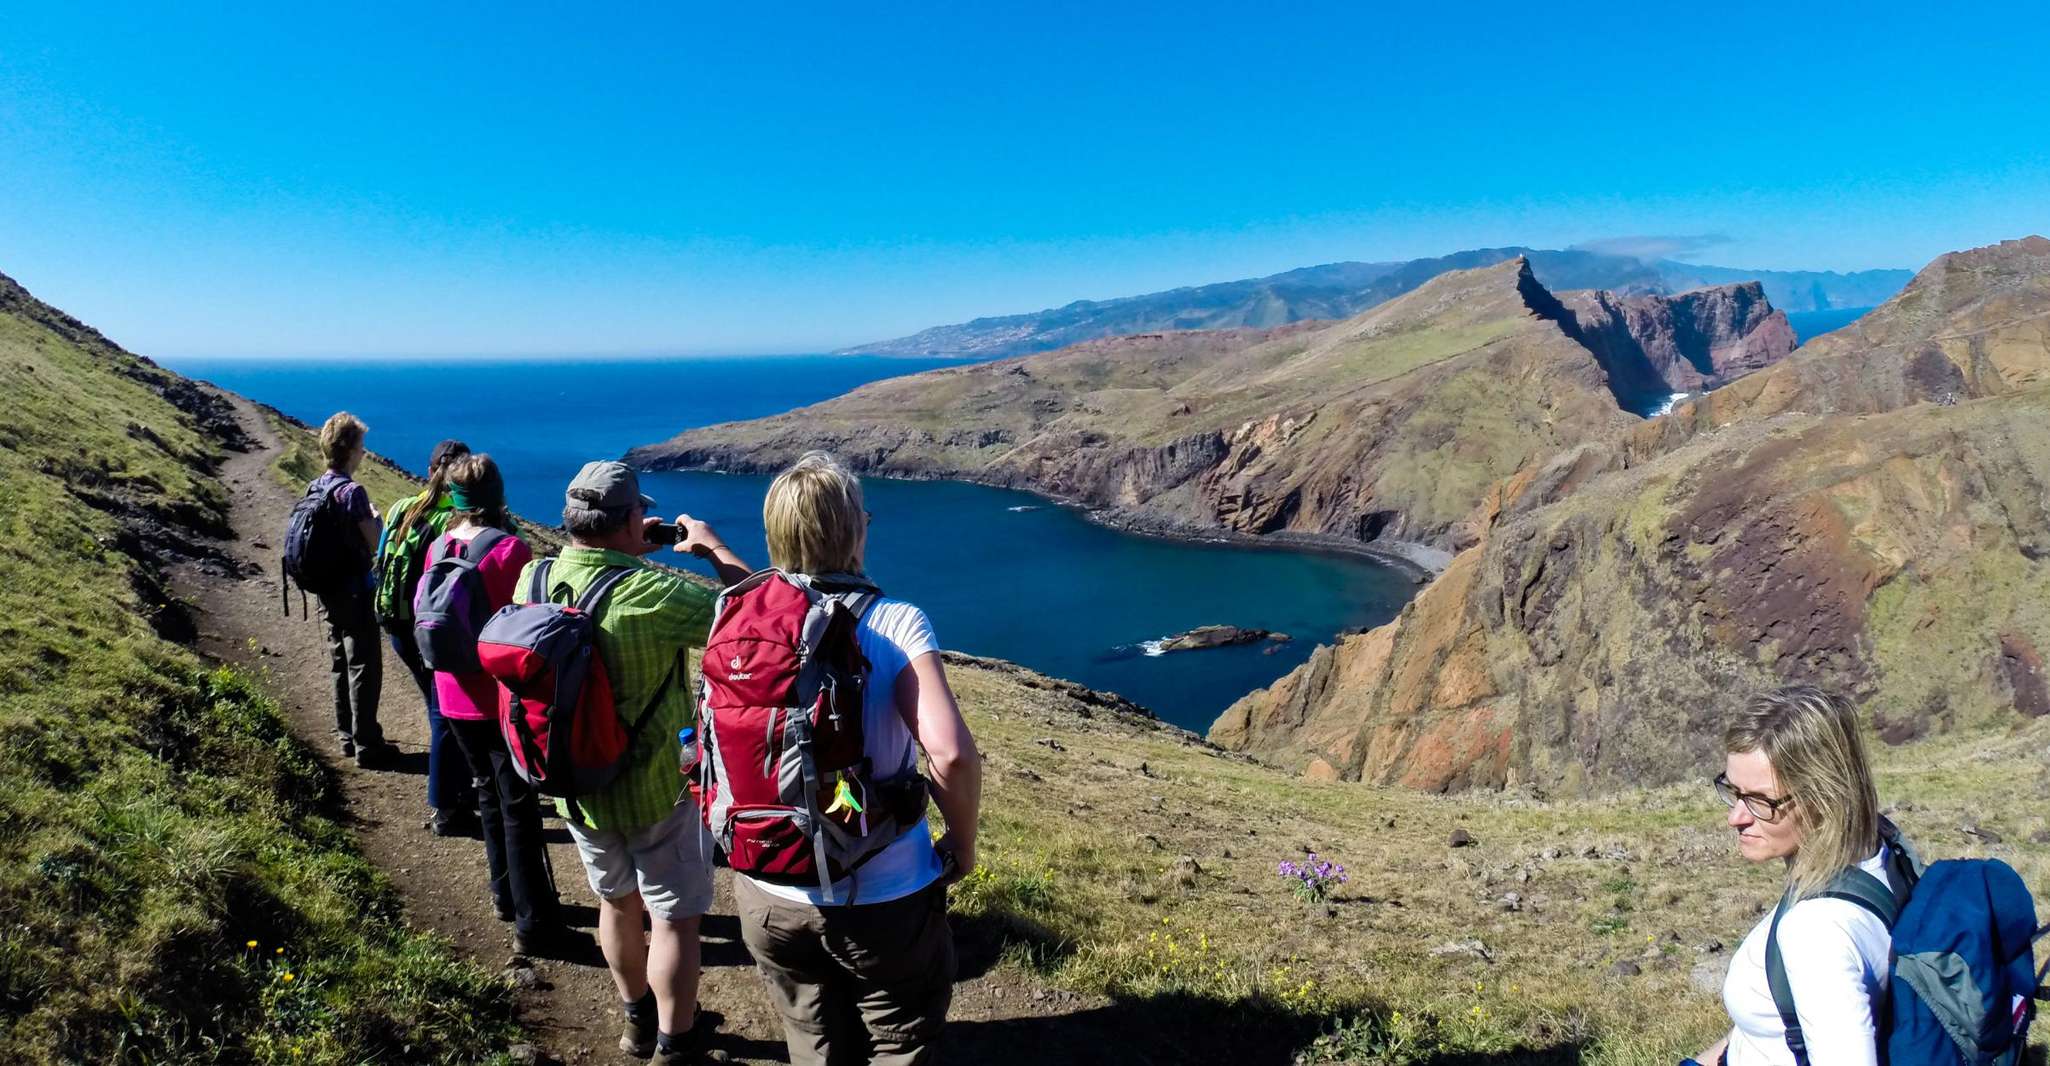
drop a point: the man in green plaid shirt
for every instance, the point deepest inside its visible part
(644, 848)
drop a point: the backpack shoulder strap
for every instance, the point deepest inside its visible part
(1853, 885)
(1782, 989)
(481, 544)
(858, 603)
(1866, 891)
(2042, 975)
(594, 596)
(537, 583)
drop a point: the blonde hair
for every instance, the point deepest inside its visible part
(342, 435)
(1817, 751)
(814, 517)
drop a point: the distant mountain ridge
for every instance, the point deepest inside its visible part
(1342, 290)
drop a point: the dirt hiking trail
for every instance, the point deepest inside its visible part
(569, 1007)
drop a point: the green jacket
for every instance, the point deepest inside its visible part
(399, 563)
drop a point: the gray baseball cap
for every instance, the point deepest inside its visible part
(604, 485)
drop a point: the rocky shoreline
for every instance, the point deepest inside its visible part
(1418, 562)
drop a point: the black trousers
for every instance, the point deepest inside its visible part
(511, 813)
(356, 650)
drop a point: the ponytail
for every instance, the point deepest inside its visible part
(445, 456)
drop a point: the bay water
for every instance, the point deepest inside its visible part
(1001, 573)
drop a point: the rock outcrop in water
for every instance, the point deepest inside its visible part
(1389, 429)
(1872, 514)
(1203, 637)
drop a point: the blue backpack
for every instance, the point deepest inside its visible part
(1964, 980)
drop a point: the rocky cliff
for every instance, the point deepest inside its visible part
(1653, 347)
(1390, 428)
(1872, 514)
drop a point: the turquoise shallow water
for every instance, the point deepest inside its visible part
(1001, 573)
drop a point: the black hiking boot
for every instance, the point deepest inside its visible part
(348, 748)
(382, 755)
(688, 1048)
(460, 822)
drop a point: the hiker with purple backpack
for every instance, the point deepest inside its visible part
(641, 841)
(329, 546)
(469, 574)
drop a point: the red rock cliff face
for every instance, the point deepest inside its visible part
(1654, 346)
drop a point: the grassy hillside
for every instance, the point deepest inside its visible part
(172, 884)
(1124, 860)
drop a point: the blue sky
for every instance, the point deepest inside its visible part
(746, 178)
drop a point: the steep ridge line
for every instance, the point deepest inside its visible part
(1384, 433)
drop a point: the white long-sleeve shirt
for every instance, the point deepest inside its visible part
(1837, 955)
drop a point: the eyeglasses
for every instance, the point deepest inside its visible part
(1763, 808)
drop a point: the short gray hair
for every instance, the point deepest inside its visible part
(594, 522)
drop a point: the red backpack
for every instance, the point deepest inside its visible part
(787, 787)
(557, 713)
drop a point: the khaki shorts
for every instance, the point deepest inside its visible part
(668, 863)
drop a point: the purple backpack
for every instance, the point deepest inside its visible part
(451, 604)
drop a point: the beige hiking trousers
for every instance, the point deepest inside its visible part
(833, 972)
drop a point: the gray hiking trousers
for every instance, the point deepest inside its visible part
(356, 652)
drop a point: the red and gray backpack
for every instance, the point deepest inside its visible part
(566, 736)
(786, 783)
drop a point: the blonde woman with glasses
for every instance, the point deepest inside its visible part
(1799, 791)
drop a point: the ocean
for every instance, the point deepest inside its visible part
(1001, 573)
(1809, 325)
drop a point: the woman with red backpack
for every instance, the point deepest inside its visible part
(471, 572)
(870, 950)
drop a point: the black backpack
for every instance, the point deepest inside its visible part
(323, 553)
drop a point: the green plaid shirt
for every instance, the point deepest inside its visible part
(646, 627)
